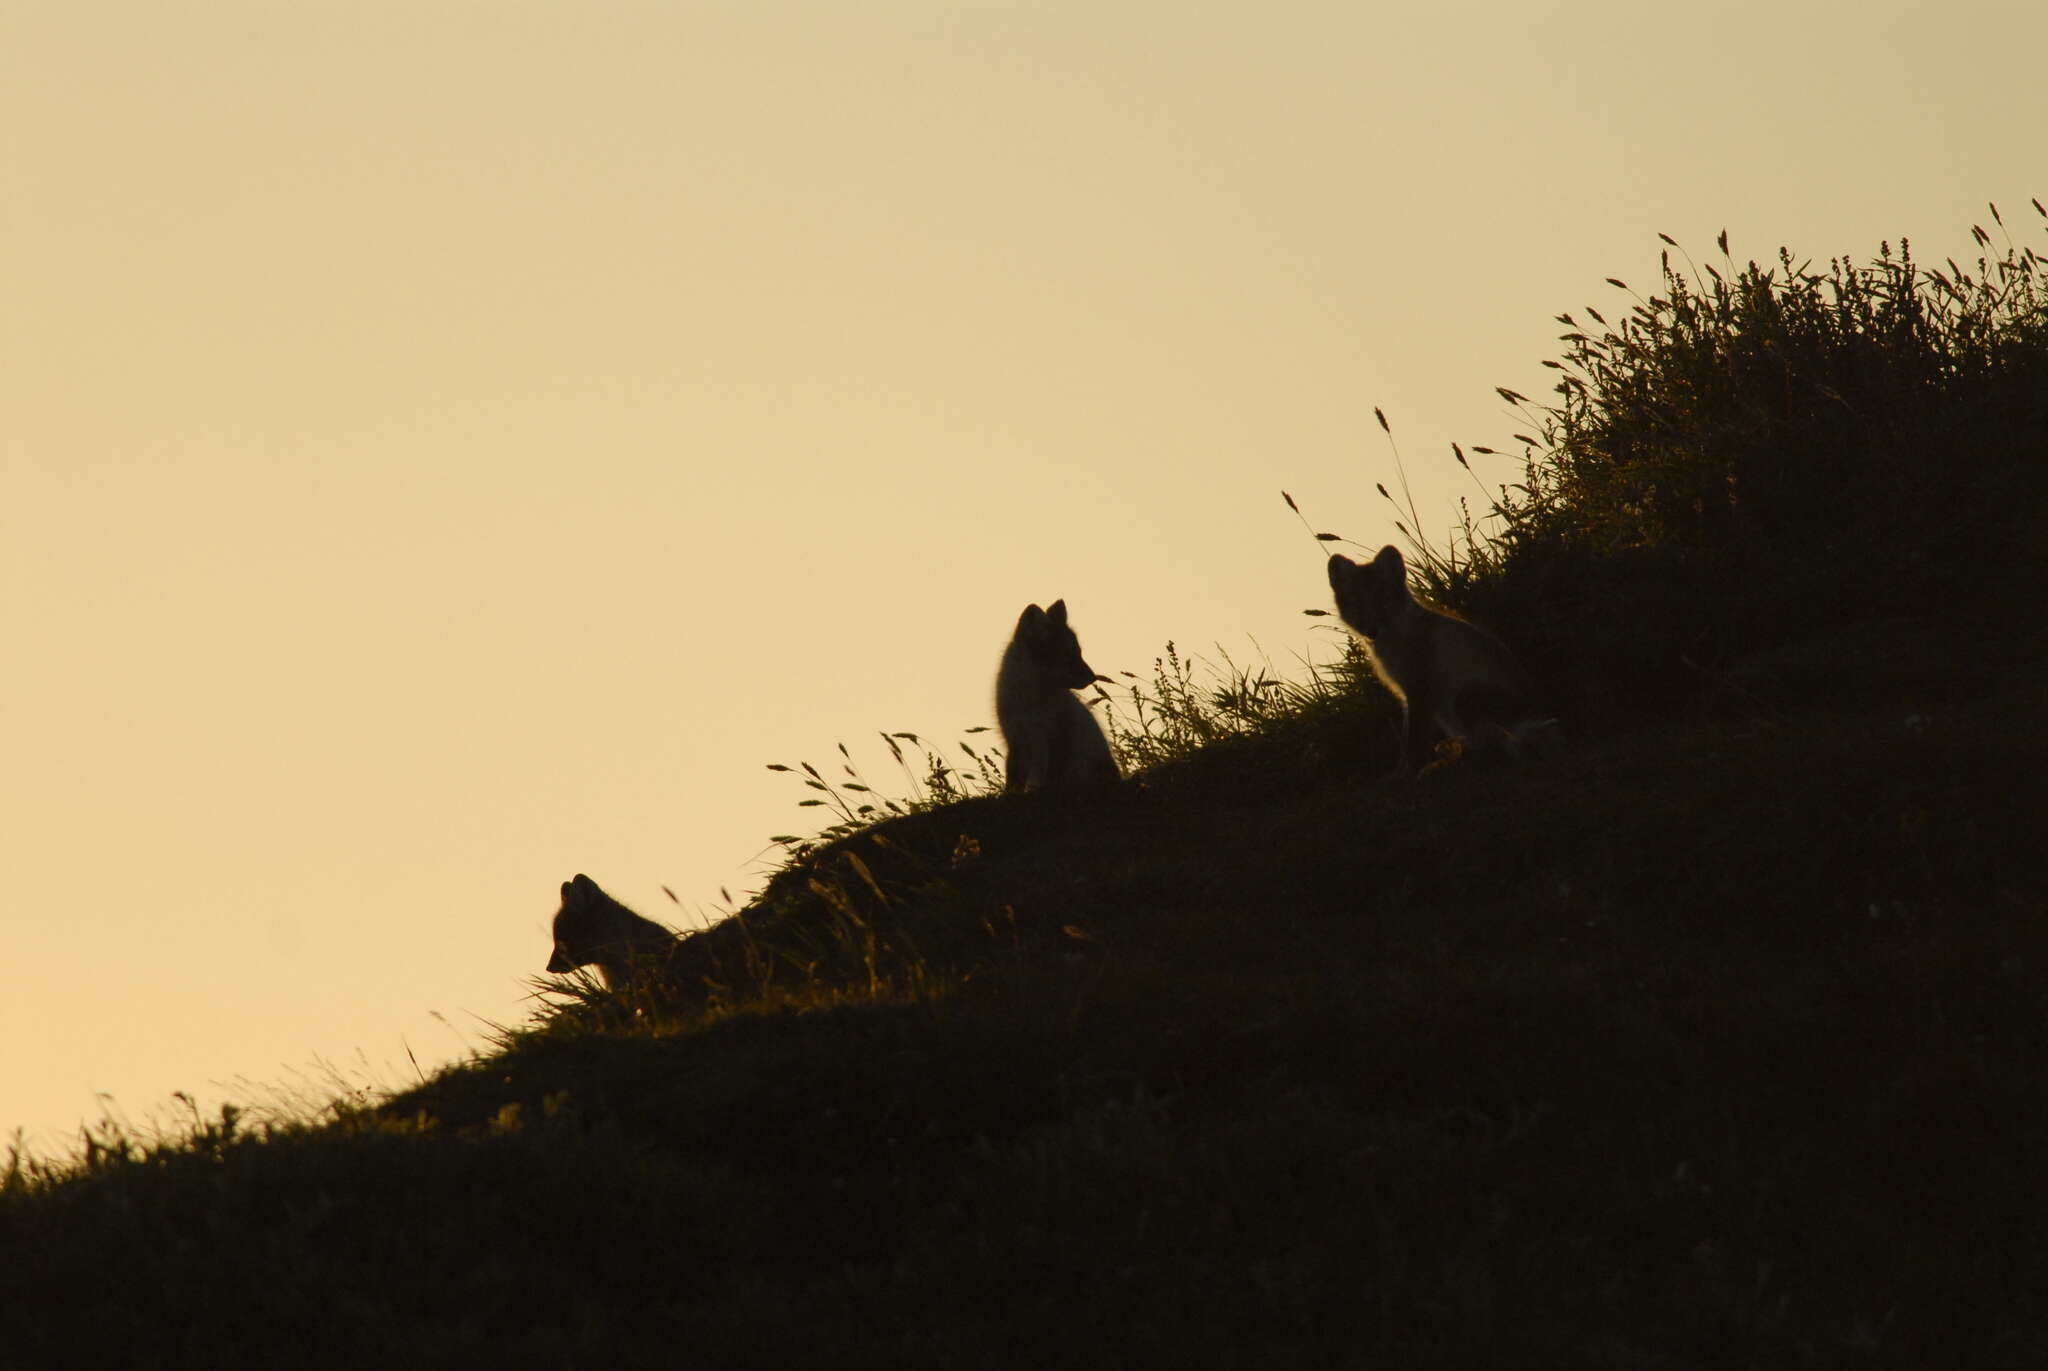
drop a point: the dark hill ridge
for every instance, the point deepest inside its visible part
(1718, 1040)
(1721, 1040)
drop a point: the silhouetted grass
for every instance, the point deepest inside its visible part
(1721, 1040)
(1757, 454)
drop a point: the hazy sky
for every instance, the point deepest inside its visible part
(445, 446)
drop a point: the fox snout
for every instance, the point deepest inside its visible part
(559, 964)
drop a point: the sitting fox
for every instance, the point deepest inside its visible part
(1451, 676)
(593, 929)
(1050, 740)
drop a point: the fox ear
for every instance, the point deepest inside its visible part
(1058, 612)
(1390, 562)
(1030, 618)
(1341, 569)
(569, 890)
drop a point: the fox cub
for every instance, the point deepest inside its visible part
(1451, 676)
(1050, 740)
(592, 928)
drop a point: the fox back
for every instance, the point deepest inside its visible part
(593, 929)
(1049, 737)
(1450, 675)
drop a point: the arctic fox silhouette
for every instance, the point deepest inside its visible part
(593, 929)
(1451, 675)
(1050, 740)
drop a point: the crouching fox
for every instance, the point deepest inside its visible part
(593, 929)
(1050, 740)
(1452, 677)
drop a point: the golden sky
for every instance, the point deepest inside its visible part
(447, 446)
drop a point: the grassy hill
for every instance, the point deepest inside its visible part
(1721, 1040)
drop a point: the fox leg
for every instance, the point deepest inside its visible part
(1417, 736)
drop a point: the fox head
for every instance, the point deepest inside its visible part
(1370, 595)
(1053, 646)
(580, 925)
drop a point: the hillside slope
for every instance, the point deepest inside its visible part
(1720, 1040)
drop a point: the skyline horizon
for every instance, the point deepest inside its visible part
(448, 456)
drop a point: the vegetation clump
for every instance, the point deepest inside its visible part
(1757, 454)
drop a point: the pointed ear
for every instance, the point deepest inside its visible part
(1029, 620)
(569, 890)
(1058, 612)
(1341, 569)
(1390, 562)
